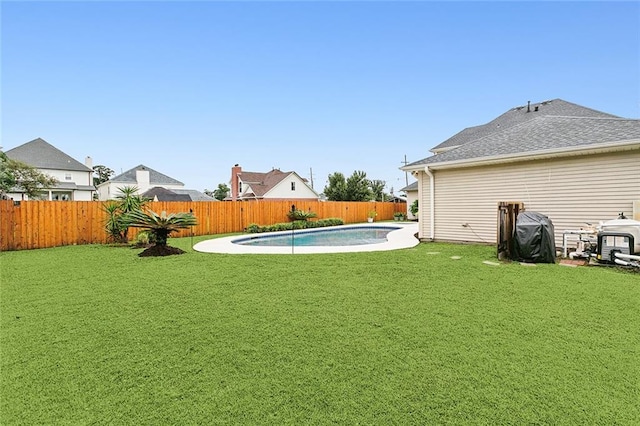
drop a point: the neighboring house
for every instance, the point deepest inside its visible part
(412, 195)
(157, 193)
(571, 163)
(273, 185)
(142, 177)
(75, 180)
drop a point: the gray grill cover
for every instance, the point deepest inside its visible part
(534, 239)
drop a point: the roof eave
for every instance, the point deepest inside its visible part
(624, 145)
(618, 146)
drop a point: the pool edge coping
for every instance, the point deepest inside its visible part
(404, 237)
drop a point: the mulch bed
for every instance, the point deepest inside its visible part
(161, 251)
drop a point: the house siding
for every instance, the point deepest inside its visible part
(283, 190)
(572, 191)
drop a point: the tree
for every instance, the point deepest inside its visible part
(29, 180)
(161, 226)
(336, 190)
(354, 188)
(221, 192)
(377, 189)
(358, 187)
(104, 174)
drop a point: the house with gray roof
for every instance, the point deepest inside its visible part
(272, 185)
(151, 184)
(572, 163)
(142, 177)
(74, 179)
(158, 193)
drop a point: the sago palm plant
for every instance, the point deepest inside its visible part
(161, 225)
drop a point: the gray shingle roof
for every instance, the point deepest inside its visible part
(555, 125)
(195, 195)
(40, 154)
(411, 187)
(163, 194)
(155, 178)
(518, 115)
(541, 134)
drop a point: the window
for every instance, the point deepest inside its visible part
(67, 176)
(240, 187)
(293, 186)
(60, 196)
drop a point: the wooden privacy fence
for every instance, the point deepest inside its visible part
(40, 224)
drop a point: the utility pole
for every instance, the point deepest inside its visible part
(406, 175)
(311, 176)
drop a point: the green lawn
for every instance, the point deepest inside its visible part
(97, 335)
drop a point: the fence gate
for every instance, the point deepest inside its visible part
(507, 214)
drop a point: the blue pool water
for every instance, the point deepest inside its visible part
(324, 237)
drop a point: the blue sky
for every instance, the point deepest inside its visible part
(191, 88)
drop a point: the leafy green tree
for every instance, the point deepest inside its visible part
(336, 190)
(221, 192)
(355, 188)
(161, 225)
(377, 189)
(28, 179)
(358, 187)
(104, 174)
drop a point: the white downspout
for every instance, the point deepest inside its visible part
(432, 204)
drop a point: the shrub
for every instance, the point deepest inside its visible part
(301, 215)
(414, 208)
(399, 216)
(298, 224)
(254, 228)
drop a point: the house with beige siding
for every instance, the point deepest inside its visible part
(572, 163)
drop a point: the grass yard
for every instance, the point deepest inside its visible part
(97, 335)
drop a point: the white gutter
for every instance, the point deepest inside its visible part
(432, 204)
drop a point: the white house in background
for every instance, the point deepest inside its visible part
(142, 177)
(412, 195)
(75, 180)
(273, 185)
(573, 164)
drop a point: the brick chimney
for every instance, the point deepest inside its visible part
(235, 182)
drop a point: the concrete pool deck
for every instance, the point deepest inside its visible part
(397, 239)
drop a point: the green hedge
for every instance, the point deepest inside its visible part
(298, 224)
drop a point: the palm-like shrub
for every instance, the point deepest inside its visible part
(117, 220)
(301, 215)
(161, 225)
(115, 223)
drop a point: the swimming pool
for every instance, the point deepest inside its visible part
(347, 236)
(399, 235)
